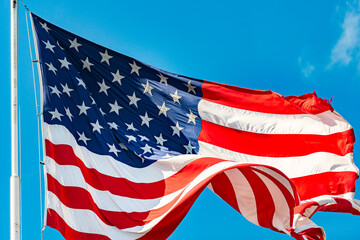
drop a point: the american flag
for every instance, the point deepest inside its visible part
(129, 147)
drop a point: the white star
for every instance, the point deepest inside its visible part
(176, 129)
(123, 146)
(113, 149)
(103, 87)
(163, 149)
(57, 42)
(147, 87)
(96, 126)
(55, 114)
(175, 97)
(130, 127)
(105, 57)
(75, 44)
(146, 149)
(191, 117)
(133, 99)
(51, 67)
(113, 125)
(162, 78)
(49, 46)
(55, 90)
(190, 87)
(87, 64)
(44, 26)
(92, 100)
(115, 107)
(142, 159)
(134, 68)
(145, 119)
(68, 113)
(143, 138)
(83, 138)
(167, 156)
(83, 108)
(117, 77)
(131, 138)
(81, 82)
(160, 140)
(188, 148)
(66, 89)
(102, 112)
(163, 109)
(64, 63)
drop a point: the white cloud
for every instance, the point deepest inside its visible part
(347, 47)
(306, 68)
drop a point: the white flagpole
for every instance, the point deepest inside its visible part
(14, 179)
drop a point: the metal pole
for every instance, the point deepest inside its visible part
(14, 179)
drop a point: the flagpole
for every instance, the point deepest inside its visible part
(14, 179)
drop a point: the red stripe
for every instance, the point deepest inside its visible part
(224, 189)
(290, 200)
(264, 203)
(222, 186)
(64, 155)
(276, 145)
(328, 183)
(314, 233)
(288, 196)
(55, 221)
(342, 205)
(263, 101)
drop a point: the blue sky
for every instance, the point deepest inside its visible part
(285, 46)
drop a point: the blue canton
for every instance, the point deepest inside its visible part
(113, 104)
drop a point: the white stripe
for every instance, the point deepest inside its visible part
(210, 186)
(354, 205)
(86, 221)
(282, 211)
(322, 124)
(305, 227)
(309, 211)
(304, 223)
(324, 198)
(244, 195)
(292, 166)
(163, 168)
(71, 176)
